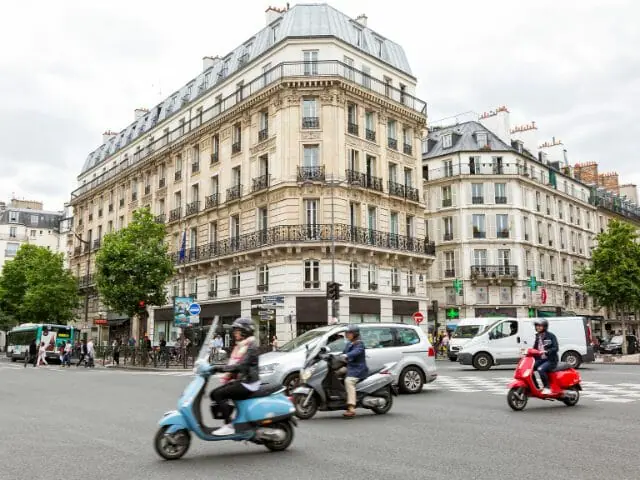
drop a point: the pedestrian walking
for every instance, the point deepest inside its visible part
(68, 350)
(30, 355)
(42, 355)
(116, 352)
(274, 343)
(90, 354)
(83, 353)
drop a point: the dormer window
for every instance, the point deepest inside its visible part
(519, 146)
(481, 138)
(447, 141)
(358, 36)
(379, 47)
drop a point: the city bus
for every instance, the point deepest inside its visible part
(20, 337)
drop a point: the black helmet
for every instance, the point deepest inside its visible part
(355, 329)
(542, 322)
(245, 325)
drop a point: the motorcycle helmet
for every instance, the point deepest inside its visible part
(245, 325)
(355, 329)
(542, 322)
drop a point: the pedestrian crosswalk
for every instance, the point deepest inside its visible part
(596, 391)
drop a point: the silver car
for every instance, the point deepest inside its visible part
(405, 344)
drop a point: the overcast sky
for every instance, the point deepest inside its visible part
(71, 69)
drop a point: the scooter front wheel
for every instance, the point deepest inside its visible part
(517, 398)
(305, 412)
(172, 446)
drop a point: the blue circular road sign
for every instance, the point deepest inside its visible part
(194, 309)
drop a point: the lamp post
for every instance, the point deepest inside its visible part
(87, 244)
(335, 304)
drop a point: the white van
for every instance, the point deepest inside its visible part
(466, 329)
(501, 342)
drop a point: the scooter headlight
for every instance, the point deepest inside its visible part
(307, 372)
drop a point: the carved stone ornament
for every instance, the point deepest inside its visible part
(276, 102)
(307, 135)
(206, 143)
(293, 99)
(391, 155)
(263, 146)
(246, 119)
(225, 133)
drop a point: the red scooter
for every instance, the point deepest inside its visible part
(564, 383)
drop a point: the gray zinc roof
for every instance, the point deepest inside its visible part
(463, 140)
(306, 20)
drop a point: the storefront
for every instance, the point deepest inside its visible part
(403, 311)
(311, 312)
(364, 310)
(119, 327)
(498, 312)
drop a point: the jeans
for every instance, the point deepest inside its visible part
(544, 366)
(229, 391)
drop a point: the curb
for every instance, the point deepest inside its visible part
(149, 369)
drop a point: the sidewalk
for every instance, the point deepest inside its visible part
(619, 359)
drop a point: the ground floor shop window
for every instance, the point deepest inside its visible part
(364, 318)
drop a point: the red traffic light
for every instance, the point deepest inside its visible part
(141, 304)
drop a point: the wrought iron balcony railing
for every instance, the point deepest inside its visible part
(234, 193)
(211, 201)
(405, 191)
(175, 214)
(363, 180)
(494, 271)
(192, 208)
(260, 183)
(311, 174)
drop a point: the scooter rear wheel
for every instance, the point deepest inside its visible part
(174, 446)
(387, 406)
(278, 446)
(517, 398)
(305, 412)
(573, 398)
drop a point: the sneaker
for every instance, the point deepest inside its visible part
(546, 391)
(224, 431)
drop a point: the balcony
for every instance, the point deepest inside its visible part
(446, 202)
(234, 193)
(395, 288)
(489, 272)
(311, 284)
(162, 182)
(212, 294)
(411, 290)
(286, 235)
(195, 167)
(363, 180)
(354, 285)
(160, 218)
(214, 158)
(503, 233)
(373, 287)
(262, 288)
(86, 281)
(407, 149)
(311, 174)
(449, 273)
(280, 73)
(392, 143)
(96, 244)
(192, 208)
(370, 135)
(447, 237)
(234, 291)
(261, 183)
(177, 176)
(404, 191)
(175, 214)
(310, 122)
(478, 233)
(211, 201)
(353, 129)
(501, 200)
(236, 147)
(477, 200)
(263, 134)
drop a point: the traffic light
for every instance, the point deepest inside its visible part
(333, 290)
(142, 305)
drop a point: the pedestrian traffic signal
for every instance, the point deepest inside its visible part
(333, 290)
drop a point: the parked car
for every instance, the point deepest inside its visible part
(614, 345)
(384, 342)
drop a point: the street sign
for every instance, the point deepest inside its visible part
(267, 306)
(418, 317)
(457, 286)
(533, 283)
(543, 296)
(194, 309)
(273, 299)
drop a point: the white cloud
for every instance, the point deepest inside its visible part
(72, 69)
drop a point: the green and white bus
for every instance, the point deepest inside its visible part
(20, 337)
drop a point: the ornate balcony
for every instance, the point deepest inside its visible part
(215, 156)
(363, 180)
(260, 183)
(234, 193)
(404, 191)
(160, 218)
(494, 272)
(317, 233)
(178, 175)
(263, 134)
(392, 143)
(370, 135)
(192, 208)
(236, 147)
(407, 149)
(86, 281)
(162, 182)
(353, 129)
(310, 122)
(175, 214)
(211, 201)
(311, 174)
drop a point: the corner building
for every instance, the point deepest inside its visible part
(309, 127)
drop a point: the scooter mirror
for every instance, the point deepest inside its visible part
(325, 350)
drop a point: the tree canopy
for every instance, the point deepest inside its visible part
(35, 287)
(133, 265)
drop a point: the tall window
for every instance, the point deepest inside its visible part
(477, 193)
(501, 193)
(502, 223)
(310, 62)
(447, 226)
(409, 222)
(237, 138)
(354, 276)
(263, 278)
(480, 257)
(311, 211)
(235, 231)
(479, 229)
(449, 264)
(234, 282)
(310, 113)
(372, 276)
(213, 232)
(263, 220)
(311, 274)
(213, 286)
(447, 196)
(395, 279)
(370, 125)
(311, 157)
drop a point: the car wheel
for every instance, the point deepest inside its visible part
(482, 361)
(291, 382)
(411, 380)
(574, 359)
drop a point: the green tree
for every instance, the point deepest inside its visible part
(133, 266)
(35, 287)
(613, 277)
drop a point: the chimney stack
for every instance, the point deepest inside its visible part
(274, 13)
(208, 62)
(609, 181)
(108, 135)
(630, 191)
(140, 112)
(362, 20)
(497, 122)
(586, 172)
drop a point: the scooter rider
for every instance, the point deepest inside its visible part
(240, 377)
(356, 368)
(548, 360)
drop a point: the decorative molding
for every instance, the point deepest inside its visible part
(311, 135)
(263, 146)
(225, 133)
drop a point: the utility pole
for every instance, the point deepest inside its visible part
(87, 244)
(334, 302)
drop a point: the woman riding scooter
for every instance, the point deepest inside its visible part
(241, 377)
(356, 368)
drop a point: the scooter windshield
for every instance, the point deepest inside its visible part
(205, 349)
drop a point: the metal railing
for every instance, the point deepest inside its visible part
(211, 201)
(494, 271)
(285, 234)
(404, 191)
(260, 183)
(175, 214)
(363, 180)
(312, 174)
(280, 72)
(234, 193)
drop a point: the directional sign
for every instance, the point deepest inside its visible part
(418, 317)
(194, 309)
(273, 299)
(543, 296)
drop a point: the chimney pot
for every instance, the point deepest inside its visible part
(362, 19)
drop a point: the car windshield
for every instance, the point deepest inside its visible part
(303, 339)
(616, 339)
(467, 331)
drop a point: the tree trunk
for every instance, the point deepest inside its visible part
(624, 333)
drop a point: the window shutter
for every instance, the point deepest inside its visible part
(455, 223)
(470, 224)
(454, 194)
(489, 193)
(491, 225)
(438, 198)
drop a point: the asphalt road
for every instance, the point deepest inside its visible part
(84, 424)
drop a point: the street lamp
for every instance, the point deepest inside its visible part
(87, 243)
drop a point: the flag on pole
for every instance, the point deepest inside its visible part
(183, 246)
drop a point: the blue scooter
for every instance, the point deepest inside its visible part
(265, 418)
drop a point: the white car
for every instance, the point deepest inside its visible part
(405, 344)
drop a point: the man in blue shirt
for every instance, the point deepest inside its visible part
(356, 367)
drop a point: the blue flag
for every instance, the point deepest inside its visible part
(183, 247)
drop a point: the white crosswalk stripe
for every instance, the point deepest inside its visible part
(596, 391)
